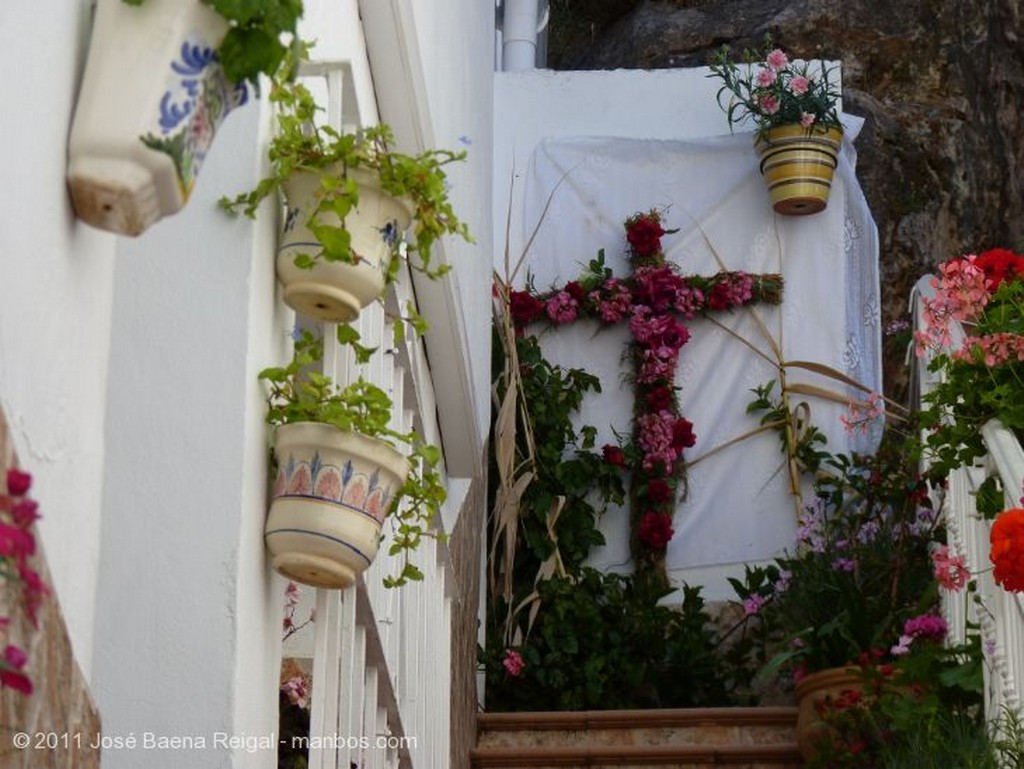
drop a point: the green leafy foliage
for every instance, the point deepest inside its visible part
(603, 642)
(860, 567)
(923, 711)
(597, 641)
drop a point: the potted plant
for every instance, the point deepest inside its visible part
(798, 129)
(349, 198)
(338, 476)
(160, 78)
(862, 581)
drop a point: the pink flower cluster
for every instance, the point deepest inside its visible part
(513, 663)
(950, 570)
(961, 294)
(733, 290)
(992, 349)
(662, 436)
(926, 627)
(862, 414)
(297, 691)
(614, 301)
(17, 545)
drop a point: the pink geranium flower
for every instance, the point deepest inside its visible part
(950, 571)
(513, 663)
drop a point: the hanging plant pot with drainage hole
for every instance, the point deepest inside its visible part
(160, 77)
(339, 478)
(349, 199)
(795, 108)
(797, 164)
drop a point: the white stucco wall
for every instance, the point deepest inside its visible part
(56, 280)
(457, 44)
(187, 637)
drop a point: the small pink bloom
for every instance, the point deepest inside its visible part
(752, 604)
(513, 663)
(903, 647)
(296, 691)
(778, 60)
(562, 308)
(18, 482)
(766, 77)
(950, 571)
(769, 103)
(15, 657)
(799, 85)
(807, 119)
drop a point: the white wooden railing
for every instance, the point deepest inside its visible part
(381, 659)
(381, 666)
(999, 614)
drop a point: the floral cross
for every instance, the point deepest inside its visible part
(654, 300)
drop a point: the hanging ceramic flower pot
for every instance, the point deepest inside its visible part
(797, 164)
(152, 98)
(335, 291)
(330, 496)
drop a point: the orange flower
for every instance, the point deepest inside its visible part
(1007, 551)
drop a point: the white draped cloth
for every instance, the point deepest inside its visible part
(738, 508)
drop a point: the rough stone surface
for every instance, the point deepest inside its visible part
(939, 82)
(464, 548)
(59, 717)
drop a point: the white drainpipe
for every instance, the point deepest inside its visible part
(519, 35)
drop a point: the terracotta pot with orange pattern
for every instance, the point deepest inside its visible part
(814, 692)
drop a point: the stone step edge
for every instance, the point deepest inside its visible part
(629, 755)
(635, 719)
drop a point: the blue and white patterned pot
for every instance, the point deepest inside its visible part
(152, 98)
(331, 494)
(335, 292)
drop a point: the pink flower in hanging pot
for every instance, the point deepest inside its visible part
(777, 59)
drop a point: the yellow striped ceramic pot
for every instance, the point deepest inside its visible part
(797, 164)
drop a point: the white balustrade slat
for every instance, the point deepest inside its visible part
(327, 650)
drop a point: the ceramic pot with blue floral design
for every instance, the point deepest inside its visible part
(152, 98)
(336, 291)
(331, 493)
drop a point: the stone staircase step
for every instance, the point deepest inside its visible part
(694, 738)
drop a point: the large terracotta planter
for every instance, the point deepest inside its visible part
(335, 292)
(331, 494)
(152, 98)
(812, 692)
(798, 164)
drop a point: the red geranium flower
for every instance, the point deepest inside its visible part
(682, 434)
(575, 290)
(1007, 551)
(644, 234)
(1000, 264)
(660, 398)
(18, 482)
(655, 530)
(658, 491)
(614, 455)
(524, 307)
